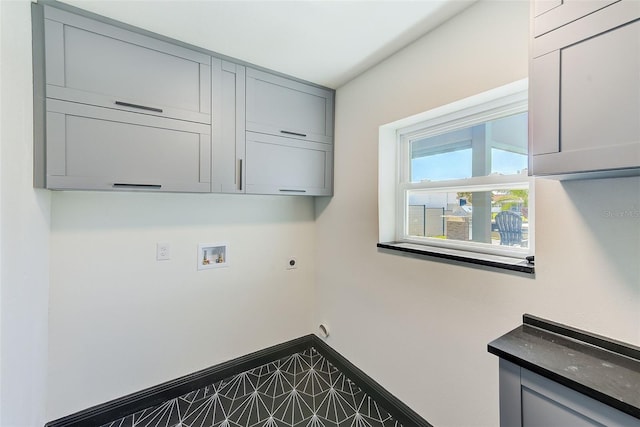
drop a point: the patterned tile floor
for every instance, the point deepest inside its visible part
(303, 389)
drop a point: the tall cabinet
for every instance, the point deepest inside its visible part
(584, 86)
(228, 154)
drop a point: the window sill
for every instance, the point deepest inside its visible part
(485, 260)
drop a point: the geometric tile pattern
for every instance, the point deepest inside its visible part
(300, 390)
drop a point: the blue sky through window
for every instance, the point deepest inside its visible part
(507, 162)
(448, 156)
(439, 167)
(457, 165)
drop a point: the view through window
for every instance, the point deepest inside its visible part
(468, 187)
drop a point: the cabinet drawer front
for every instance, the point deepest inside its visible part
(94, 63)
(547, 403)
(284, 107)
(276, 166)
(97, 150)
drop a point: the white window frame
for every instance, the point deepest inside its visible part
(493, 104)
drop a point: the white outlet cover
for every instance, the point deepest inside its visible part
(163, 251)
(292, 263)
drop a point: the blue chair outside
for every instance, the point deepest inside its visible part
(510, 228)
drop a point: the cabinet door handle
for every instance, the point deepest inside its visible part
(293, 133)
(240, 179)
(144, 186)
(141, 107)
(285, 190)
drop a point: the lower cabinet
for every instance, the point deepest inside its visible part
(530, 400)
(278, 165)
(94, 148)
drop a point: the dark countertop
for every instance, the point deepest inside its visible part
(604, 369)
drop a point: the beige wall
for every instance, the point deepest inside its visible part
(122, 320)
(24, 236)
(421, 327)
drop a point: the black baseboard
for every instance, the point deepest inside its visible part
(121, 407)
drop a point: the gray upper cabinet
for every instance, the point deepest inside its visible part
(291, 153)
(289, 138)
(283, 107)
(119, 110)
(116, 108)
(277, 165)
(228, 138)
(94, 63)
(585, 89)
(94, 148)
(552, 14)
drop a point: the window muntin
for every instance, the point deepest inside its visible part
(459, 171)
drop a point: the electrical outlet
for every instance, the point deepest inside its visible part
(292, 263)
(163, 251)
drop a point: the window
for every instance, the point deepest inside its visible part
(460, 177)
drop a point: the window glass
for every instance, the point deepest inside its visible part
(507, 162)
(494, 147)
(463, 180)
(471, 216)
(442, 166)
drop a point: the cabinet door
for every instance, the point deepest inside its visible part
(530, 400)
(585, 104)
(284, 107)
(546, 403)
(93, 148)
(539, 411)
(91, 62)
(228, 127)
(552, 14)
(277, 165)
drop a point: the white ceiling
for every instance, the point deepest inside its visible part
(322, 41)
